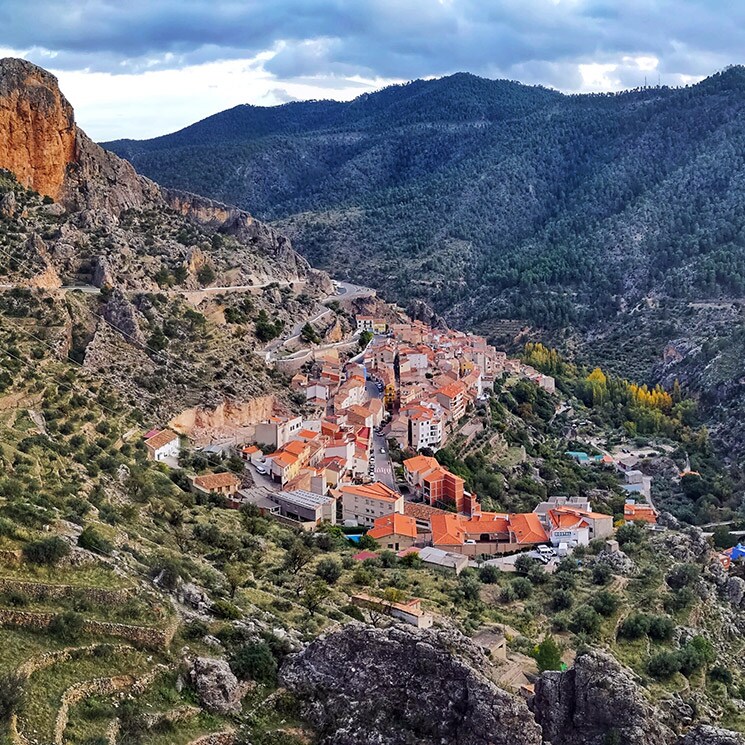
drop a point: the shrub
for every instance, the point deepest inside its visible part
(605, 603)
(663, 664)
(548, 655)
(601, 574)
(660, 628)
(67, 626)
(353, 612)
(12, 695)
(522, 587)
(523, 564)
(683, 575)
(92, 540)
(585, 620)
(254, 661)
(224, 609)
(561, 599)
(489, 574)
(329, 570)
(634, 626)
(47, 551)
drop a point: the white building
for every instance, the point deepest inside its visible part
(277, 431)
(162, 445)
(362, 505)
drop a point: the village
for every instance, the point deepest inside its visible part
(410, 388)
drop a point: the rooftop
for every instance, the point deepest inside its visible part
(301, 498)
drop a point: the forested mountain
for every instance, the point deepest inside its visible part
(490, 198)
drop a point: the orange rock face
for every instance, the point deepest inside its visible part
(38, 127)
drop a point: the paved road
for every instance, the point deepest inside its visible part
(383, 465)
(348, 291)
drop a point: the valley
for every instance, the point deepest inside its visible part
(238, 496)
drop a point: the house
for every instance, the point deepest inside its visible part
(361, 505)
(486, 533)
(576, 526)
(372, 324)
(443, 559)
(492, 642)
(305, 507)
(452, 398)
(162, 445)
(277, 430)
(639, 512)
(426, 428)
(395, 531)
(253, 455)
(226, 484)
(283, 466)
(409, 612)
(422, 514)
(435, 484)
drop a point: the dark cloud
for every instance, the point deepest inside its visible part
(533, 40)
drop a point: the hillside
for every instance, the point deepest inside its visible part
(139, 608)
(610, 225)
(489, 198)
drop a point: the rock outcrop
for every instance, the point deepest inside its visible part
(38, 126)
(595, 700)
(401, 686)
(705, 735)
(218, 689)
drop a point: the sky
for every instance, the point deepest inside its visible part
(141, 68)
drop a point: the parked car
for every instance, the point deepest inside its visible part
(382, 451)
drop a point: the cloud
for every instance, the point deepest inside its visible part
(338, 48)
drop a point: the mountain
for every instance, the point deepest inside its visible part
(161, 269)
(612, 225)
(489, 198)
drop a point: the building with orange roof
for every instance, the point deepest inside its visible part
(162, 445)
(226, 484)
(362, 504)
(283, 466)
(395, 531)
(434, 482)
(452, 398)
(486, 533)
(639, 512)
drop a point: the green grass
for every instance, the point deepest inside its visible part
(19, 645)
(94, 575)
(46, 687)
(184, 732)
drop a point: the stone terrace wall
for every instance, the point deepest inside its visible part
(98, 687)
(43, 661)
(216, 738)
(148, 636)
(41, 591)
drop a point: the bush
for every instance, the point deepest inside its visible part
(67, 626)
(224, 609)
(91, 540)
(548, 655)
(489, 574)
(601, 574)
(329, 570)
(634, 626)
(660, 628)
(523, 564)
(522, 587)
(561, 599)
(663, 664)
(254, 661)
(683, 575)
(585, 620)
(605, 603)
(47, 551)
(630, 533)
(12, 695)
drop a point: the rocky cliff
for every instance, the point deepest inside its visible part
(45, 150)
(38, 126)
(401, 686)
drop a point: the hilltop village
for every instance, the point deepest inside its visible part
(364, 457)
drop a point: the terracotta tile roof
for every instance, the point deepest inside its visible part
(217, 480)
(421, 463)
(447, 530)
(250, 449)
(421, 511)
(296, 447)
(162, 438)
(376, 490)
(395, 524)
(527, 528)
